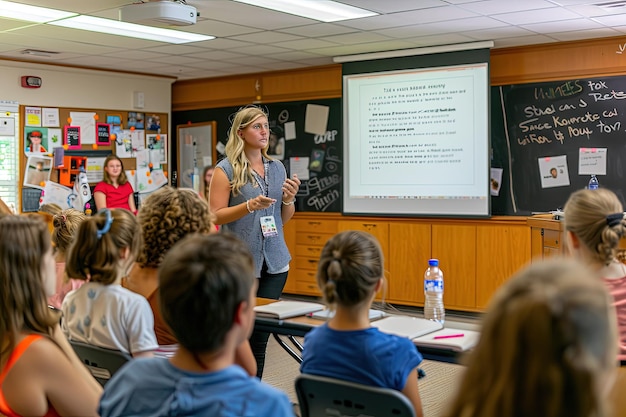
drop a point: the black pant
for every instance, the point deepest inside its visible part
(270, 286)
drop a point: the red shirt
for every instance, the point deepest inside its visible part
(115, 197)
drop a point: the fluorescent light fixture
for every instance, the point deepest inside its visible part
(29, 13)
(322, 10)
(415, 51)
(114, 27)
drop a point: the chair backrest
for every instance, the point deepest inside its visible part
(321, 396)
(102, 362)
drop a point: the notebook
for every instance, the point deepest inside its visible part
(457, 344)
(407, 326)
(328, 314)
(285, 309)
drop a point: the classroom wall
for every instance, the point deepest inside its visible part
(84, 88)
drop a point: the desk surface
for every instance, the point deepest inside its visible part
(301, 325)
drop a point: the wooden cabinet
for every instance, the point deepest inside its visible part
(310, 236)
(547, 236)
(455, 247)
(409, 249)
(464, 247)
(501, 250)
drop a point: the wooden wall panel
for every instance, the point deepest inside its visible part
(269, 87)
(560, 60)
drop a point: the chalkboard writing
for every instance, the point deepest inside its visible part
(71, 137)
(103, 133)
(547, 127)
(321, 155)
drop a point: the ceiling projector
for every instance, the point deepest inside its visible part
(159, 13)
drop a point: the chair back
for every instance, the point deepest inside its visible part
(102, 362)
(322, 396)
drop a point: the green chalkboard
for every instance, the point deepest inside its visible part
(553, 121)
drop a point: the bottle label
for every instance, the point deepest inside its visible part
(433, 285)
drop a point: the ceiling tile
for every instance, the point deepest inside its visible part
(536, 16)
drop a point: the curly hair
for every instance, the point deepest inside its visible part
(165, 217)
(66, 224)
(586, 214)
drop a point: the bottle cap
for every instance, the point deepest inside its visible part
(433, 262)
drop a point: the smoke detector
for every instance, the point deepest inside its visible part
(159, 13)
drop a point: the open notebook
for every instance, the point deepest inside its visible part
(438, 339)
(285, 309)
(407, 326)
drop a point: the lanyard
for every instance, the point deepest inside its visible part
(264, 184)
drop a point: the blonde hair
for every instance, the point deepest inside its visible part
(234, 150)
(586, 214)
(350, 266)
(65, 225)
(548, 341)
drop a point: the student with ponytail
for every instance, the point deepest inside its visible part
(101, 312)
(347, 347)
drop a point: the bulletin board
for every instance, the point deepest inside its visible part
(49, 136)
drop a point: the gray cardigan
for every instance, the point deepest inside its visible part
(273, 250)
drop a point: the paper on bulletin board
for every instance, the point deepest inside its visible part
(553, 171)
(290, 130)
(143, 158)
(124, 144)
(55, 193)
(496, 181)
(50, 117)
(95, 169)
(299, 166)
(87, 124)
(316, 119)
(149, 181)
(138, 140)
(32, 116)
(7, 126)
(592, 161)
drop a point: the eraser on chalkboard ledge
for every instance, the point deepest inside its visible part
(558, 215)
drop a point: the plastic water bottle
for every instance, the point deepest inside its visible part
(433, 292)
(593, 182)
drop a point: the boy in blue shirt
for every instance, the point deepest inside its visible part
(207, 295)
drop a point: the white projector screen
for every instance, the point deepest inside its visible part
(417, 142)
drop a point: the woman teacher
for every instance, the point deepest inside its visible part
(252, 197)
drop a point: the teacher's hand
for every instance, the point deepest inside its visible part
(260, 202)
(290, 189)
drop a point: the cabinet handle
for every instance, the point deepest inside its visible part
(369, 226)
(314, 250)
(314, 223)
(312, 261)
(314, 238)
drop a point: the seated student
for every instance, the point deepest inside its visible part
(101, 312)
(65, 223)
(201, 378)
(349, 274)
(547, 347)
(40, 375)
(594, 220)
(166, 216)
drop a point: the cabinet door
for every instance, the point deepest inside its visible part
(289, 231)
(455, 247)
(409, 251)
(501, 251)
(380, 230)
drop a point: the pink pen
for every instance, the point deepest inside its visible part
(449, 336)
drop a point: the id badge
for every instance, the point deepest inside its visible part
(268, 226)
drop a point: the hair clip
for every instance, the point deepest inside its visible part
(107, 224)
(614, 219)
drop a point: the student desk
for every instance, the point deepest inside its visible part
(301, 325)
